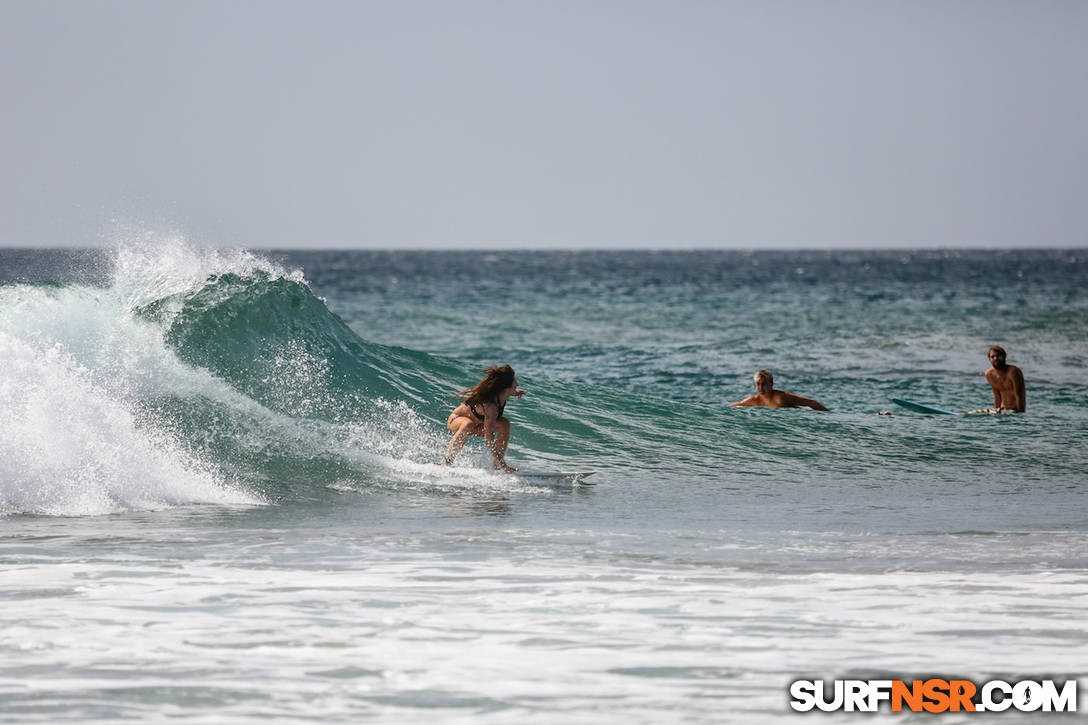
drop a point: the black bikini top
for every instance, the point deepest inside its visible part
(502, 407)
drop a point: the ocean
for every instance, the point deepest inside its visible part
(220, 499)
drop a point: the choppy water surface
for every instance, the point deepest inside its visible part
(219, 499)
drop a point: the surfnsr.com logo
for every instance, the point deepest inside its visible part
(934, 695)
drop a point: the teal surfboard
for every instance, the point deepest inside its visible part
(557, 478)
(920, 408)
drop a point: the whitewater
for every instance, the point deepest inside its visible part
(220, 498)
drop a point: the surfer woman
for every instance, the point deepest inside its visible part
(481, 415)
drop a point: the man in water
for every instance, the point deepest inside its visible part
(1008, 384)
(767, 397)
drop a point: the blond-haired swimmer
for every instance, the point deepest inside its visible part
(766, 396)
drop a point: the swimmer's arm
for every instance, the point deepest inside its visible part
(799, 401)
(1021, 393)
(995, 388)
(747, 402)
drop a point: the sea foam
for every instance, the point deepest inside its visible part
(71, 448)
(77, 368)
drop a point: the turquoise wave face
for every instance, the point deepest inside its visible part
(280, 346)
(274, 341)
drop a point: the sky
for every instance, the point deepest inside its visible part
(557, 124)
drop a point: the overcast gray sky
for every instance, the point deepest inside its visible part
(434, 123)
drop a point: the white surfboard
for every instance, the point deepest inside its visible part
(556, 478)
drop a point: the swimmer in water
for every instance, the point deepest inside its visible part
(1007, 382)
(767, 397)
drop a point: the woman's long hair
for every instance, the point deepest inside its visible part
(487, 390)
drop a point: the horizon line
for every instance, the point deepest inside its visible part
(563, 248)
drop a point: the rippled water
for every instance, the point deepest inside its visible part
(220, 501)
